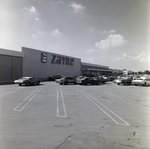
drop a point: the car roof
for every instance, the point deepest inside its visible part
(27, 77)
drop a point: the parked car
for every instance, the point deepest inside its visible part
(103, 79)
(57, 80)
(67, 80)
(90, 80)
(79, 78)
(27, 81)
(117, 81)
(52, 78)
(125, 81)
(112, 78)
(141, 81)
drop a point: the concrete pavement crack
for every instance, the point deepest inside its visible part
(69, 137)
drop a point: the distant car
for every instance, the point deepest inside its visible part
(79, 78)
(117, 81)
(27, 81)
(103, 79)
(125, 81)
(90, 80)
(112, 78)
(57, 80)
(67, 80)
(141, 81)
(54, 77)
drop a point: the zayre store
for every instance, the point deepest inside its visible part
(40, 64)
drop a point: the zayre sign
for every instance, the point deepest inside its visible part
(44, 57)
(62, 60)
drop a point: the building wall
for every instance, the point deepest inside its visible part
(41, 64)
(11, 63)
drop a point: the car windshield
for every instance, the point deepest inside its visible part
(83, 78)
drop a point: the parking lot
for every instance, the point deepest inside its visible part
(53, 116)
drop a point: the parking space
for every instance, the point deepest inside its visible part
(53, 116)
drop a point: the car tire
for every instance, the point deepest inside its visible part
(98, 83)
(118, 83)
(28, 83)
(38, 83)
(65, 83)
(19, 84)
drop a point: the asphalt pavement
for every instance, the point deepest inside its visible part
(53, 116)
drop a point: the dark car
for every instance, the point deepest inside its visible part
(67, 80)
(27, 81)
(126, 81)
(54, 77)
(103, 79)
(90, 80)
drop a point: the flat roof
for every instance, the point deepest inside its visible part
(94, 65)
(11, 53)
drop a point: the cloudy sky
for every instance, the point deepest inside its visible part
(115, 33)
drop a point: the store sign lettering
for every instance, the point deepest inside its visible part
(44, 57)
(62, 60)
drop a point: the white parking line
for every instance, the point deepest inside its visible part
(125, 100)
(61, 109)
(23, 104)
(6, 94)
(109, 112)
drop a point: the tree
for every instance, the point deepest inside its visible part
(147, 72)
(140, 72)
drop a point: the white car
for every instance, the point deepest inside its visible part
(141, 81)
(57, 80)
(117, 81)
(27, 81)
(79, 79)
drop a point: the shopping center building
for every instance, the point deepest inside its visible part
(43, 64)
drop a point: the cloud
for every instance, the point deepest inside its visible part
(112, 31)
(77, 7)
(118, 59)
(113, 40)
(90, 51)
(107, 32)
(37, 19)
(31, 9)
(142, 57)
(103, 32)
(124, 55)
(60, 2)
(36, 35)
(56, 32)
